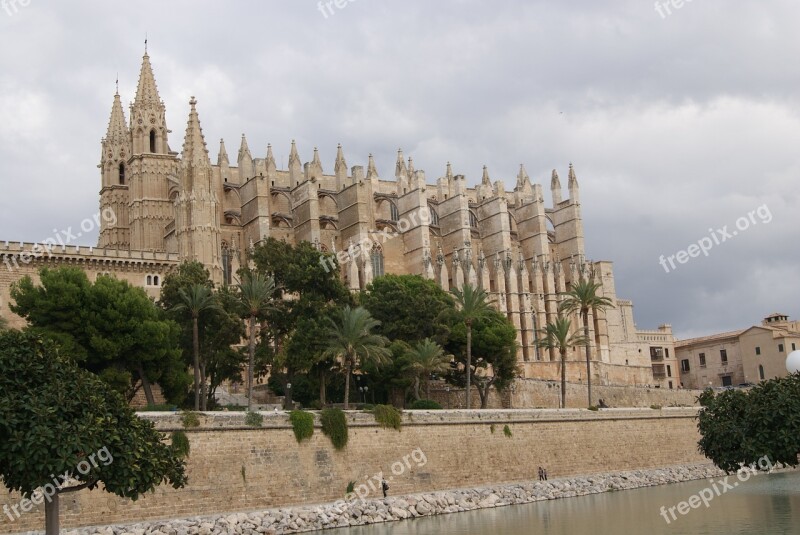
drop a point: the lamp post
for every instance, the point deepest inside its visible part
(287, 399)
(447, 389)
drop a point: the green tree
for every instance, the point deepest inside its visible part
(758, 427)
(219, 328)
(195, 300)
(255, 295)
(3, 324)
(297, 324)
(351, 339)
(557, 336)
(408, 306)
(582, 298)
(473, 304)
(426, 358)
(86, 431)
(494, 353)
(111, 327)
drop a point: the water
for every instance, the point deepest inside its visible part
(763, 505)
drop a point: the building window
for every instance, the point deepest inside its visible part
(377, 262)
(794, 347)
(122, 174)
(394, 215)
(473, 220)
(149, 280)
(670, 385)
(226, 264)
(761, 372)
(152, 141)
(685, 367)
(155, 280)
(669, 370)
(758, 350)
(780, 348)
(723, 356)
(434, 218)
(702, 360)
(666, 352)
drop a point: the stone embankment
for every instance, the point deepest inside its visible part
(373, 511)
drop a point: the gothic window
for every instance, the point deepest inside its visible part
(149, 280)
(152, 141)
(226, 264)
(122, 174)
(377, 262)
(394, 214)
(155, 280)
(473, 220)
(434, 218)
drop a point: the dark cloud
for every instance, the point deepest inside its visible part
(675, 125)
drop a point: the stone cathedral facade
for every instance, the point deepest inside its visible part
(171, 207)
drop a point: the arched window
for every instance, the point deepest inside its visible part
(377, 262)
(473, 220)
(122, 174)
(153, 141)
(761, 372)
(226, 264)
(155, 280)
(394, 215)
(149, 280)
(434, 217)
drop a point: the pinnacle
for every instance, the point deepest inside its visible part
(147, 91)
(244, 150)
(194, 144)
(485, 179)
(223, 154)
(117, 127)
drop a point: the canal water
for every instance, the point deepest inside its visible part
(766, 504)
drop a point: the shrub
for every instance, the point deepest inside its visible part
(507, 431)
(350, 488)
(388, 416)
(316, 405)
(190, 419)
(253, 419)
(158, 408)
(334, 426)
(426, 404)
(491, 428)
(180, 444)
(303, 424)
(655, 407)
(593, 408)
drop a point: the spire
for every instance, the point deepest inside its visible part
(522, 177)
(372, 170)
(449, 174)
(222, 157)
(194, 146)
(573, 180)
(341, 163)
(294, 158)
(485, 180)
(554, 181)
(410, 167)
(117, 127)
(315, 161)
(244, 150)
(295, 166)
(270, 161)
(400, 170)
(147, 92)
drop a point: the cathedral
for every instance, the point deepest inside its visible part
(172, 207)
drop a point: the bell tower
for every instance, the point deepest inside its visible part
(151, 167)
(114, 198)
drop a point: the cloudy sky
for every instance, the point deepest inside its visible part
(679, 121)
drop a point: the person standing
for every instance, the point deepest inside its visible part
(385, 487)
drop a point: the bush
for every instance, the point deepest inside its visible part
(334, 426)
(507, 431)
(316, 405)
(180, 444)
(388, 416)
(491, 428)
(303, 424)
(593, 408)
(253, 419)
(655, 407)
(425, 404)
(158, 408)
(350, 488)
(190, 419)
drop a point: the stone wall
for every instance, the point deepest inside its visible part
(235, 468)
(537, 394)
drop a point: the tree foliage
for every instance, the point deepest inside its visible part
(743, 427)
(112, 328)
(56, 417)
(558, 336)
(473, 304)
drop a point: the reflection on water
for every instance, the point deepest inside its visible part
(764, 505)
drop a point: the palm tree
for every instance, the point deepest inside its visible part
(474, 304)
(427, 357)
(254, 296)
(582, 298)
(557, 336)
(350, 339)
(196, 299)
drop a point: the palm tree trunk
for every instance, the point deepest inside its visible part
(564, 378)
(469, 362)
(428, 389)
(203, 387)
(588, 355)
(416, 388)
(196, 344)
(347, 386)
(322, 387)
(251, 362)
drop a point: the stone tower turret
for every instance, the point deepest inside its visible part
(114, 199)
